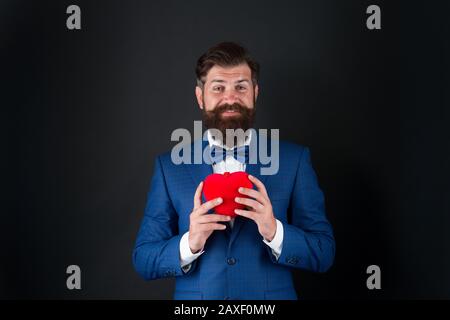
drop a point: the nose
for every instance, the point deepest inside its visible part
(230, 96)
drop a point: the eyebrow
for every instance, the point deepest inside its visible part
(223, 81)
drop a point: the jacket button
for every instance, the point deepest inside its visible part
(169, 273)
(231, 261)
(292, 260)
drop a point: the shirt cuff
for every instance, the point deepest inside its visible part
(277, 242)
(186, 255)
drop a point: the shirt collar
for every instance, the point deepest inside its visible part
(215, 142)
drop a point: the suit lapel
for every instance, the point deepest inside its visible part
(254, 170)
(199, 172)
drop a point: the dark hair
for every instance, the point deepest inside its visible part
(225, 54)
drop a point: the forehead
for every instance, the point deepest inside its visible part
(232, 73)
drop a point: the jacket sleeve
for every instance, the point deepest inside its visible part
(157, 250)
(308, 241)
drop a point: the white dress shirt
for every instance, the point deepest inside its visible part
(230, 164)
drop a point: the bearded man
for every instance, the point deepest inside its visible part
(283, 224)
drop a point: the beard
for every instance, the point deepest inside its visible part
(244, 119)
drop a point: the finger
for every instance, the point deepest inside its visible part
(207, 218)
(259, 185)
(245, 213)
(209, 205)
(211, 226)
(197, 196)
(254, 194)
(250, 203)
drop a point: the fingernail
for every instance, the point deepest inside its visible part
(237, 199)
(219, 200)
(241, 189)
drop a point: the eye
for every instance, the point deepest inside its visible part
(217, 88)
(241, 88)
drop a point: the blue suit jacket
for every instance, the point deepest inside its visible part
(236, 264)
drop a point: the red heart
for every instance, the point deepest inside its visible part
(226, 186)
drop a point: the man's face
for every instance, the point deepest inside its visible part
(228, 98)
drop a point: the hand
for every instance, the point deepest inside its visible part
(261, 209)
(202, 224)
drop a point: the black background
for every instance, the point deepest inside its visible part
(85, 112)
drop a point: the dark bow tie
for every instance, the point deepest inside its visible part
(219, 154)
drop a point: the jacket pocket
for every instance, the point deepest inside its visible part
(188, 295)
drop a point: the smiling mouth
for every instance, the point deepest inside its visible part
(230, 112)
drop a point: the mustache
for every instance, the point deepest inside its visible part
(230, 107)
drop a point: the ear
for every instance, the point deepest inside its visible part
(256, 92)
(199, 95)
